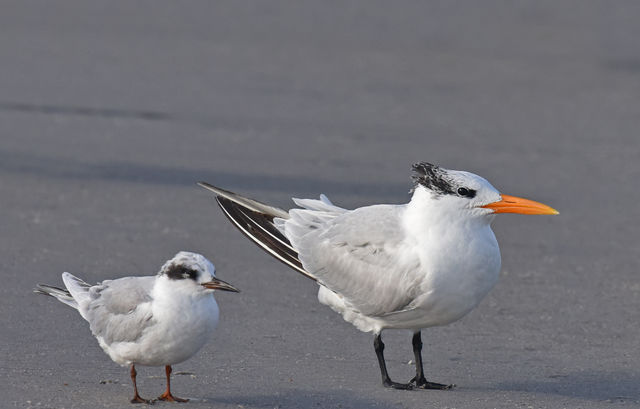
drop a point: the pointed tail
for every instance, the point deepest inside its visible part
(58, 293)
(256, 221)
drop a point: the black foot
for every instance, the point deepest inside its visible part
(422, 383)
(395, 385)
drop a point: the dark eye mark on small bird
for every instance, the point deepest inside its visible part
(180, 272)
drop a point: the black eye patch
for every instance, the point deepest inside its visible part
(463, 191)
(179, 272)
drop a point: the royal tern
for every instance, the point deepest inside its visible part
(156, 320)
(411, 266)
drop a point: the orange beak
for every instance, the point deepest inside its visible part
(513, 204)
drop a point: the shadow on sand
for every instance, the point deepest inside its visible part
(301, 399)
(618, 387)
(47, 167)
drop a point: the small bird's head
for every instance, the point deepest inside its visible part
(194, 269)
(460, 190)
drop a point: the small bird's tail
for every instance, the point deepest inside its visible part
(58, 293)
(76, 293)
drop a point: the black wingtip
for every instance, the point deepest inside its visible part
(209, 187)
(42, 289)
(259, 228)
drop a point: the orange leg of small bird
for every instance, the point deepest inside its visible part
(167, 394)
(136, 397)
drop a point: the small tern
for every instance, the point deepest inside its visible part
(156, 320)
(413, 266)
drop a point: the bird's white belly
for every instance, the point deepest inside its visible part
(180, 331)
(457, 276)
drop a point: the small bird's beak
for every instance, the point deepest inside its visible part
(217, 284)
(513, 204)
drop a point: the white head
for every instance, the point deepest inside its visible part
(195, 271)
(454, 191)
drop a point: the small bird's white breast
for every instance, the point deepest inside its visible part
(183, 322)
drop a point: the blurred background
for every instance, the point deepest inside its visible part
(111, 111)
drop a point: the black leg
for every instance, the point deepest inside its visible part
(419, 380)
(386, 381)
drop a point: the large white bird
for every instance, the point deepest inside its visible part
(425, 263)
(156, 320)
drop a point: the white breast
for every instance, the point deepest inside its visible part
(460, 269)
(183, 324)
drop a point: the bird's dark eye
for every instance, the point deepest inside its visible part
(463, 191)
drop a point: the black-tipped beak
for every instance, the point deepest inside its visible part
(217, 284)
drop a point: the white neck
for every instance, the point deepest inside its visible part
(425, 214)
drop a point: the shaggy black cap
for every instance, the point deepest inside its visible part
(433, 178)
(436, 180)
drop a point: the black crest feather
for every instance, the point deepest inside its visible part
(432, 177)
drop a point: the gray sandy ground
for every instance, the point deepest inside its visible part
(110, 111)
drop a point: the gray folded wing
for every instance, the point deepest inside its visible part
(119, 310)
(360, 254)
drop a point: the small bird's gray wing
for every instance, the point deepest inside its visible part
(361, 255)
(120, 310)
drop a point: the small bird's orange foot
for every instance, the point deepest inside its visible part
(168, 397)
(138, 399)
